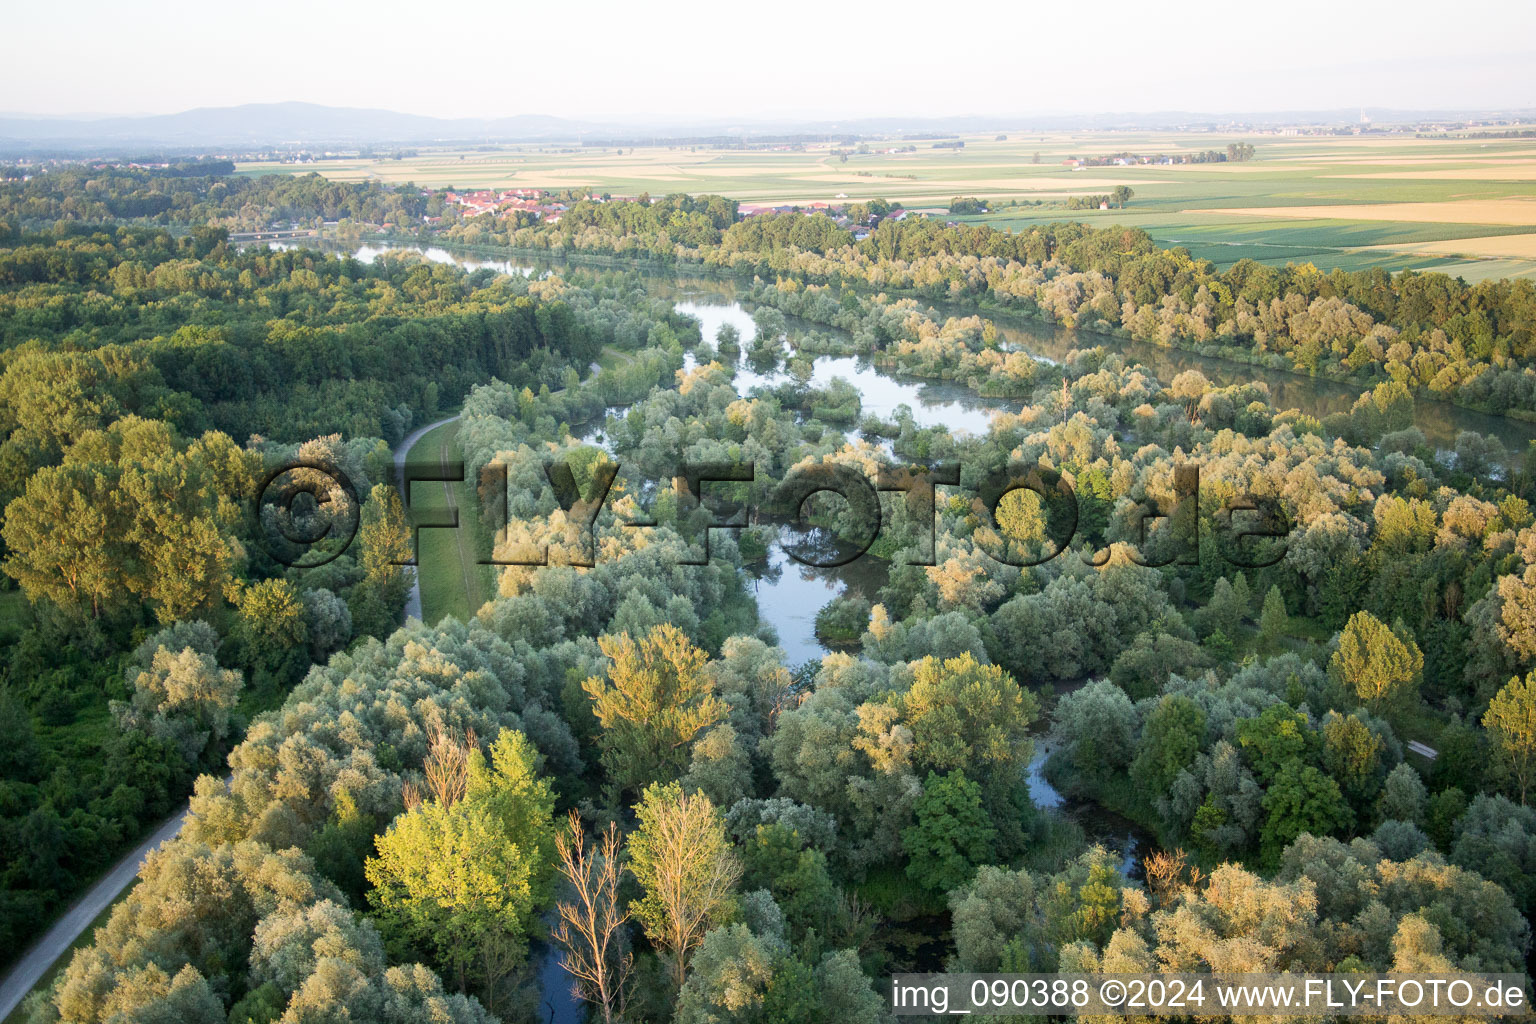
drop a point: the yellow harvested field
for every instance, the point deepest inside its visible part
(1023, 183)
(1517, 211)
(1222, 169)
(1493, 246)
(914, 199)
(1388, 160)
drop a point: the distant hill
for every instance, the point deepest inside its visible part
(272, 124)
(260, 125)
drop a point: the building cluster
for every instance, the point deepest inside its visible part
(1078, 163)
(745, 210)
(837, 211)
(506, 201)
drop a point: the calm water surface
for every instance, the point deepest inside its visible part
(789, 595)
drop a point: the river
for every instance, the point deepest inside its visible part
(789, 594)
(714, 301)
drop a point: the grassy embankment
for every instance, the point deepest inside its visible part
(452, 581)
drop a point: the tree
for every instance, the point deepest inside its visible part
(1511, 725)
(327, 621)
(951, 834)
(743, 976)
(1497, 839)
(1444, 811)
(1273, 619)
(777, 860)
(196, 907)
(463, 881)
(1463, 757)
(1122, 195)
(1170, 740)
(734, 978)
(174, 501)
(132, 510)
(1142, 670)
(967, 715)
(1276, 739)
(1301, 799)
(445, 771)
(683, 861)
(654, 703)
(1479, 454)
(340, 848)
(1403, 796)
(1381, 665)
(1224, 612)
(66, 541)
(149, 993)
(1352, 756)
(1400, 840)
(183, 697)
(384, 538)
(721, 768)
(591, 922)
(271, 626)
(1095, 726)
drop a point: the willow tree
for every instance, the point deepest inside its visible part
(655, 700)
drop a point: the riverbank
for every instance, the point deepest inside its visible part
(975, 304)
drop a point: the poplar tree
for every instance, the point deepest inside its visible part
(1511, 724)
(687, 869)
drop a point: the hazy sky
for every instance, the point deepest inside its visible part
(823, 59)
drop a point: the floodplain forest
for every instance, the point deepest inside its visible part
(608, 787)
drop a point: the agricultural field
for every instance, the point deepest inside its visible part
(1464, 205)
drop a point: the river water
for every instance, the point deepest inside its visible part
(789, 594)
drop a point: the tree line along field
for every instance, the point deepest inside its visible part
(1465, 205)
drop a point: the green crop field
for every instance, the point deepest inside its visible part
(1350, 201)
(452, 583)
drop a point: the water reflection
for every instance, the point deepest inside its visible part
(1116, 833)
(369, 253)
(715, 300)
(790, 594)
(880, 393)
(558, 1002)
